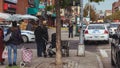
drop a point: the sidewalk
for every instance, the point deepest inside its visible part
(90, 60)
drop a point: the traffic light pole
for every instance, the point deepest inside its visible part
(81, 47)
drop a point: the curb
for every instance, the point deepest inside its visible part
(99, 62)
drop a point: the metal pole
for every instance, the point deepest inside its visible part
(81, 21)
(81, 46)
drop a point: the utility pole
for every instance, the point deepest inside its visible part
(81, 47)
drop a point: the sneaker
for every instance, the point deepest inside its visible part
(2, 63)
(14, 64)
(45, 56)
(10, 65)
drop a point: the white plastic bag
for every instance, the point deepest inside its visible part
(5, 53)
(7, 37)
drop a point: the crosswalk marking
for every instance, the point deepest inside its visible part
(103, 53)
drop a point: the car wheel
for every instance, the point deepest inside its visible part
(25, 38)
(107, 42)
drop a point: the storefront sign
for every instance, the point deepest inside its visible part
(12, 6)
(12, 1)
(6, 6)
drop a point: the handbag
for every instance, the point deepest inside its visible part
(5, 53)
(7, 37)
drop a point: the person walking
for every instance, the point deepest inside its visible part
(1, 46)
(15, 40)
(41, 37)
(70, 29)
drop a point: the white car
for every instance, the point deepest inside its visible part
(112, 28)
(28, 36)
(96, 32)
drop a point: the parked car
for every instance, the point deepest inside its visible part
(115, 49)
(112, 28)
(96, 32)
(27, 35)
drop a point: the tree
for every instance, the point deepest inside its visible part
(93, 15)
(58, 34)
(59, 4)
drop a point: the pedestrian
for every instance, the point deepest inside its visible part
(15, 40)
(70, 29)
(41, 37)
(1, 45)
(29, 25)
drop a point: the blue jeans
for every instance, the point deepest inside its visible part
(10, 47)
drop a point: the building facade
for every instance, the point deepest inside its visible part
(116, 6)
(108, 12)
(13, 6)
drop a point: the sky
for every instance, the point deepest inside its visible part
(106, 5)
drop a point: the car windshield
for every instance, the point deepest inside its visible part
(114, 25)
(96, 27)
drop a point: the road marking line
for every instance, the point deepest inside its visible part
(103, 53)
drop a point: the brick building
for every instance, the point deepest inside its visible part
(13, 6)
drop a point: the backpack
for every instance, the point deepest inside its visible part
(16, 37)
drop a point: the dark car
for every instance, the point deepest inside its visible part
(115, 49)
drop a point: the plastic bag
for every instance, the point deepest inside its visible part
(5, 53)
(7, 37)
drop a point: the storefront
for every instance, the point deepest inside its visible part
(33, 7)
(9, 6)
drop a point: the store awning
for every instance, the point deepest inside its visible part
(32, 11)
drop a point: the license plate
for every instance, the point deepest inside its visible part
(96, 36)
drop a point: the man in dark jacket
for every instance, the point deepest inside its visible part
(41, 37)
(70, 29)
